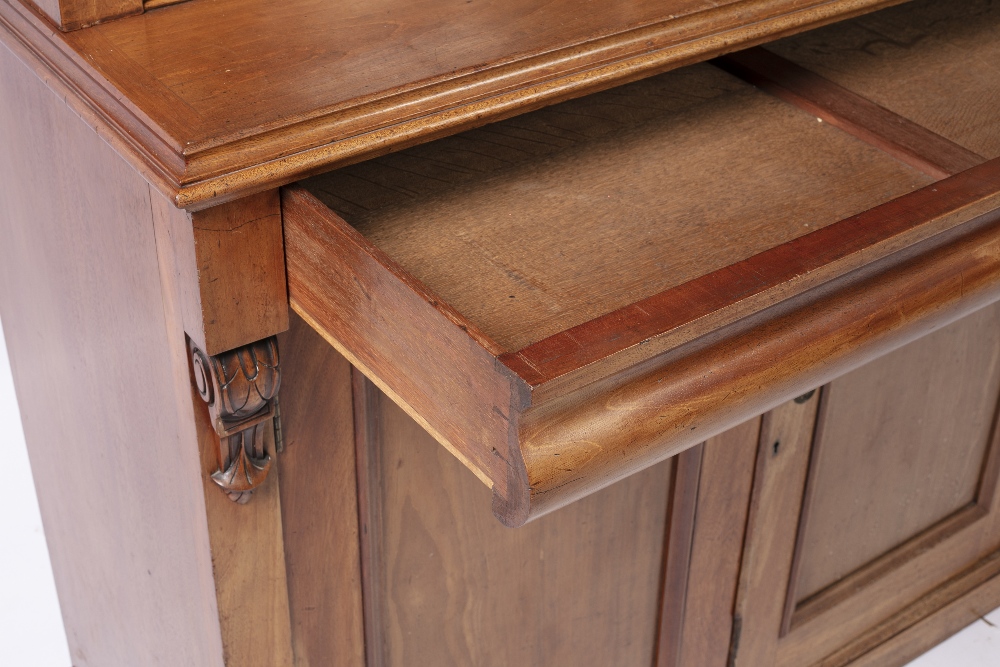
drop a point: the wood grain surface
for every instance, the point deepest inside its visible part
(455, 588)
(76, 14)
(248, 562)
(925, 413)
(536, 225)
(935, 548)
(248, 559)
(954, 605)
(935, 63)
(228, 266)
(782, 462)
(623, 279)
(101, 376)
(938, 552)
(666, 320)
(727, 476)
(450, 381)
(319, 502)
(208, 122)
(915, 145)
(240, 271)
(343, 285)
(647, 415)
(678, 545)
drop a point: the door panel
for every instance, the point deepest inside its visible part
(889, 517)
(447, 584)
(900, 448)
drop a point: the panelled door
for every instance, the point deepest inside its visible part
(873, 528)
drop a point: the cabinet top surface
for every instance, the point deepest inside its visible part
(275, 91)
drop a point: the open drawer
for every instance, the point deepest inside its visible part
(572, 295)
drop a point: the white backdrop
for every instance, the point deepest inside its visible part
(31, 629)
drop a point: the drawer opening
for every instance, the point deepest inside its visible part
(571, 295)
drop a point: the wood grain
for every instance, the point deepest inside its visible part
(455, 588)
(240, 270)
(650, 414)
(934, 63)
(902, 447)
(319, 503)
(450, 382)
(537, 225)
(782, 461)
(888, 589)
(248, 562)
(451, 246)
(677, 555)
(102, 383)
(357, 296)
(953, 606)
(670, 318)
(931, 153)
(727, 473)
(76, 14)
(358, 84)
(962, 585)
(229, 286)
(913, 585)
(367, 433)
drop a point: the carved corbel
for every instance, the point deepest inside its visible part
(241, 388)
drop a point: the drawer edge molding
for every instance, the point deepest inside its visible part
(540, 451)
(580, 443)
(618, 340)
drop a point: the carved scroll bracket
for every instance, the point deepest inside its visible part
(241, 388)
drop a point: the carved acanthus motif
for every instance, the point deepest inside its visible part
(241, 388)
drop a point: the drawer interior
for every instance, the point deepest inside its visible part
(538, 224)
(934, 63)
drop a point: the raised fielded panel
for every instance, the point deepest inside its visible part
(902, 447)
(885, 516)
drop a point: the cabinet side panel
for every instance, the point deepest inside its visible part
(111, 439)
(580, 586)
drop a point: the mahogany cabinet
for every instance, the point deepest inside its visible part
(450, 334)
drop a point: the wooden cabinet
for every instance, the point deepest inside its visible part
(718, 344)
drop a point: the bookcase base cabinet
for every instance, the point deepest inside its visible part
(766, 437)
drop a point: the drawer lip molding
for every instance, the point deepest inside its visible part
(643, 384)
(202, 152)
